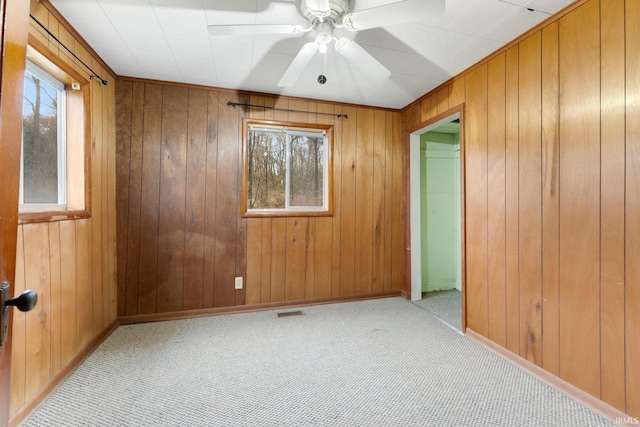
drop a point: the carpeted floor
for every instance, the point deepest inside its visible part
(383, 362)
(445, 305)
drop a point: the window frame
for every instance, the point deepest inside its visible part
(61, 143)
(78, 134)
(326, 209)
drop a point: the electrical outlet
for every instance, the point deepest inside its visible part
(238, 282)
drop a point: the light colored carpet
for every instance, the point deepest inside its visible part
(445, 305)
(381, 362)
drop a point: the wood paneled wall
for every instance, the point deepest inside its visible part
(552, 137)
(181, 238)
(70, 264)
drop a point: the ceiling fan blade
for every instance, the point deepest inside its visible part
(391, 14)
(254, 29)
(362, 59)
(298, 64)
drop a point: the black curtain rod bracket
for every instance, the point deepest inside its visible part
(238, 104)
(94, 74)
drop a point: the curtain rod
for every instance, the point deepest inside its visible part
(104, 82)
(238, 104)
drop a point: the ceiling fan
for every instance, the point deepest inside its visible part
(323, 17)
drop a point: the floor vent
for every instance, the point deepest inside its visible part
(290, 313)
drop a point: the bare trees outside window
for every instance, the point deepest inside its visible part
(286, 169)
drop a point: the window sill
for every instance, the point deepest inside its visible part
(52, 216)
(285, 214)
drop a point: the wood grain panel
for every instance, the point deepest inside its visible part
(612, 150)
(296, 232)
(38, 323)
(195, 200)
(123, 147)
(278, 254)
(84, 288)
(364, 202)
(149, 199)
(389, 220)
(55, 304)
(336, 227)
(550, 200)
(348, 220)
(398, 242)
(226, 201)
(211, 189)
(19, 337)
(443, 99)
(253, 280)
(632, 207)
(324, 226)
(134, 188)
(97, 223)
(580, 198)
(496, 201)
(68, 294)
(530, 198)
(476, 199)
(378, 208)
(511, 199)
(457, 92)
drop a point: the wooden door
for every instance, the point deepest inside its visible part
(14, 21)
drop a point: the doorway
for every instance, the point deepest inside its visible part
(436, 219)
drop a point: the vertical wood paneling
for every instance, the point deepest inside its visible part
(580, 198)
(84, 289)
(71, 263)
(253, 280)
(123, 148)
(511, 199)
(195, 200)
(612, 202)
(324, 227)
(69, 297)
(443, 100)
(476, 199)
(530, 198)
(149, 200)
(18, 335)
(37, 277)
(55, 308)
(457, 92)
(211, 188)
(364, 202)
(348, 202)
(632, 207)
(550, 199)
(171, 223)
(496, 201)
(336, 243)
(398, 242)
(379, 168)
(134, 182)
(226, 202)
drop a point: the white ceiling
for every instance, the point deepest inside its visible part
(168, 40)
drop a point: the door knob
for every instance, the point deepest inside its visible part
(23, 302)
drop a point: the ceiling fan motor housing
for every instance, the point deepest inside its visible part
(338, 9)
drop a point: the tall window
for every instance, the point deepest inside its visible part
(43, 185)
(55, 152)
(287, 169)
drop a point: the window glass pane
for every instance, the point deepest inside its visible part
(266, 170)
(40, 140)
(307, 167)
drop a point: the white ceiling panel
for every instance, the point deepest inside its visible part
(169, 40)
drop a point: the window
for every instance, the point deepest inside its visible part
(42, 180)
(287, 169)
(54, 147)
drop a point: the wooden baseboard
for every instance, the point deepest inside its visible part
(58, 378)
(580, 396)
(158, 317)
